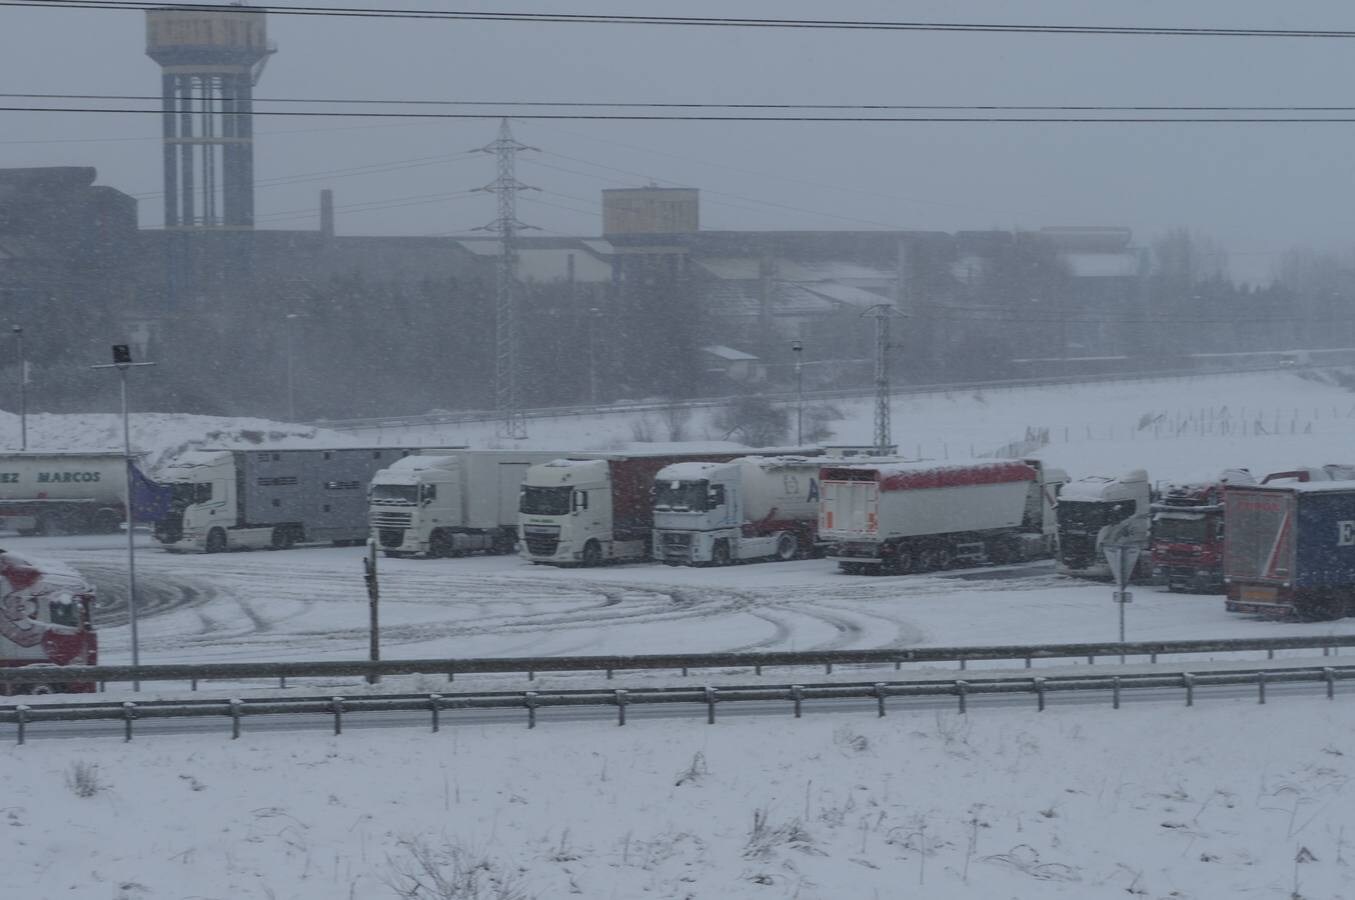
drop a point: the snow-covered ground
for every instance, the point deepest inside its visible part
(1218, 800)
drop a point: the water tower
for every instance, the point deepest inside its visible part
(210, 59)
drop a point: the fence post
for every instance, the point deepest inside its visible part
(1039, 694)
(128, 714)
(1189, 681)
(235, 705)
(880, 697)
(1261, 687)
(1115, 688)
(22, 711)
(710, 705)
(961, 687)
(797, 693)
(531, 709)
(621, 707)
(337, 705)
(434, 701)
(1330, 675)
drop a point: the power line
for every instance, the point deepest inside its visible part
(804, 119)
(610, 104)
(710, 21)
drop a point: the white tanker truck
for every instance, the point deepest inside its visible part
(70, 492)
(751, 508)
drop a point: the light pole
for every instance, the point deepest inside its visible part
(23, 389)
(122, 361)
(291, 369)
(797, 347)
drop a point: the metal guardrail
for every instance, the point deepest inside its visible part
(435, 704)
(451, 667)
(471, 416)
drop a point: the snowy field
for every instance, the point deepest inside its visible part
(1153, 801)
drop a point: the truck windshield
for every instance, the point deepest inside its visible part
(395, 493)
(188, 493)
(681, 496)
(1094, 514)
(1181, 531)
(545, 501)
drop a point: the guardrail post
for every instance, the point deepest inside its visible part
(797, 693)
(880, 697)
(1027, 662)
(962, 662)
(710, 705)
(193, 685)
(235, 706)
(23, 720)
(282, 681)
(961, 687)
(684, 671)
(128, 714)
(898, 664)
(337, 705)
(757, 669)
(828, 668)
(531, 709)
(1039, 694)
(1326, 651)
(1152, 658)
(621, 707)
(1330, 675)
(1260, 687)
(1270, 654)
(531, 675)
(1115, 692)
(1091, 659)
(1189, 681)
(433, 704)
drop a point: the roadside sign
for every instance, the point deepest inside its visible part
(1122, 559)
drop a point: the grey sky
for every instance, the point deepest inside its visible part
(1258, 189)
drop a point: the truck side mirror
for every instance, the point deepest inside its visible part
(580, 500)
(716, 495)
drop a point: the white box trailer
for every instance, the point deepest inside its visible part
(256, 499)
(70, 492)
(896, 517)
(751, 508)
(447, 503)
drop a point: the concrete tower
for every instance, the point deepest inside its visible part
(210, 60)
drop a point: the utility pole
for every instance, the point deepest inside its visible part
(882, 313)
(23, 388)
(507, 349)
(798, 347)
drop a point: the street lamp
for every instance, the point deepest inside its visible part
(122, 361)
(23, 389)
(291, 370)
(797, 347)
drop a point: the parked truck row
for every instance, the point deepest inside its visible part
(75, 493)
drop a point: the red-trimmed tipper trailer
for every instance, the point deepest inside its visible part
(45, 620)
(892, 517)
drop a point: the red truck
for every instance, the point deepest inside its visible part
(45, 620)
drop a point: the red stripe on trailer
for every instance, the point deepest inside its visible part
(940, 477)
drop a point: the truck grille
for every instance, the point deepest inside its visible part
(676, 545)
(542, 540)
(384, 519)
(391, 537)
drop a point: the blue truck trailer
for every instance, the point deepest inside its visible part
(1289, 549)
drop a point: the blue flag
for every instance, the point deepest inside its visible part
(151, 501)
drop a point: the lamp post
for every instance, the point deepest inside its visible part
(122, 361)
(23, 389)
(291, 369)
(797, 347)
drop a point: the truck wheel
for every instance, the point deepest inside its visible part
(926, 560)
(282, 539)
(719, 554)
(216, 541)
(787, 547)
(592, 554)
(503, 544)
(439, 545)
